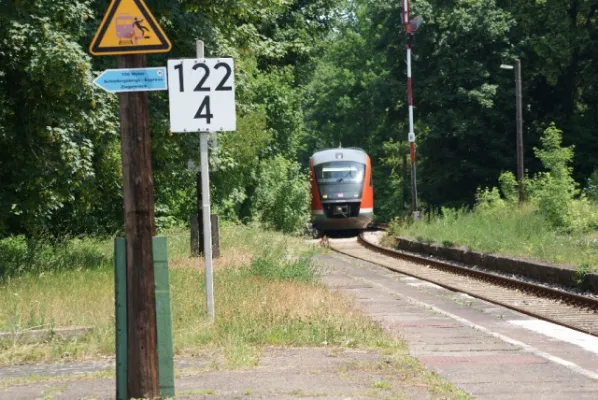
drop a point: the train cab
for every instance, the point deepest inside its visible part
(342, 189)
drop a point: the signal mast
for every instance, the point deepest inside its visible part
(410, 28)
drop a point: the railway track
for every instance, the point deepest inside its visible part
(560, 307)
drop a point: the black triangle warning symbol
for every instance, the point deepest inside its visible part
(129, 28)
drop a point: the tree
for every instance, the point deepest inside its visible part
(58, 130)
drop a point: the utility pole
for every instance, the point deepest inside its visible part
(411, 136)
(131, 46)
(519, 124)
(519, 131)
(138, 188)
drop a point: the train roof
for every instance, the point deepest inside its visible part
(341, 153)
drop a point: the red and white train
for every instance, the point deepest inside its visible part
(342, 189)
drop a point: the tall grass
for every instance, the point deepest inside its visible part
(19, 256)
(275, 262)
(266, 291)
(266, 303)
(519, 232)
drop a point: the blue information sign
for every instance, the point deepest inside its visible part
(133, 80)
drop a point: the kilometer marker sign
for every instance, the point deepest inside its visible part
(133, 80)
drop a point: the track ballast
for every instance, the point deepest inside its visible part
(560, 307)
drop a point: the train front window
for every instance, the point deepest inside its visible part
(340, 172)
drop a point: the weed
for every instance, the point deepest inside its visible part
(383, 385)
(580, 274)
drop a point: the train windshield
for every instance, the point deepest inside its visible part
(339, 172)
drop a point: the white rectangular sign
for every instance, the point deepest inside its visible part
(202, 95)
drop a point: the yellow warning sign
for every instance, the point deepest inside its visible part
(129, 28)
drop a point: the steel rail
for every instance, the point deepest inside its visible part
(510, 283)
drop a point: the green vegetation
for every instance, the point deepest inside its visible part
(60, 161)
(282, 197)
(464, 103)
(309, 74)
(555, 225)
(18, 256)
(400, 371)
(383, 385)
(516, 232)
(264, 295)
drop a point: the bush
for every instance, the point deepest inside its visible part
(508, 186)
(488, 201)
(554, 190)
(582, 215)
(281, 200)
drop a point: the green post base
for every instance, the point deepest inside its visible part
(163, 317)
(120, 300)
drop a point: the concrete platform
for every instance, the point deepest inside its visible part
(489, 351)
(282, 373)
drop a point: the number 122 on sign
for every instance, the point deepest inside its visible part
(202, 95)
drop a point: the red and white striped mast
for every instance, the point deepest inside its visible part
(411, 135)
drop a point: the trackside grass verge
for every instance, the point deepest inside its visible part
(517, 232)
(267, 293)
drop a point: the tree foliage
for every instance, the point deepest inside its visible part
(60, 162)
(464, 103)
(309, 74)
(58, 136)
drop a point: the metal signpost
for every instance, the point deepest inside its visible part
(129, 31)
(202, 99)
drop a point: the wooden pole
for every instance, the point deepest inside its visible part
(519, 131)
(142, 360)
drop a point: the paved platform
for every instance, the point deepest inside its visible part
(281, 373)
(488, 351)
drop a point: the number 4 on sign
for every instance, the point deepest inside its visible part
(202, 95)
